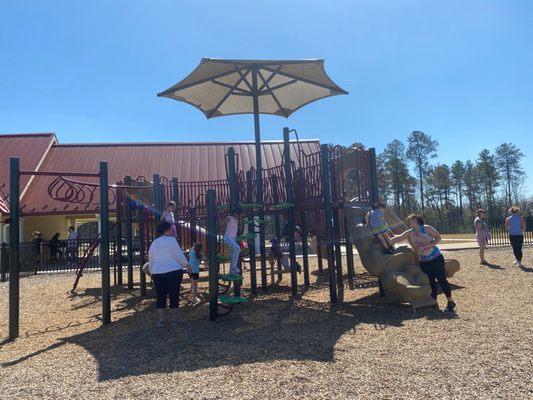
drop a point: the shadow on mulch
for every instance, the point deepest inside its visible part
(264, 330)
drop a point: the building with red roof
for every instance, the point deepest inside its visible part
(189, 162)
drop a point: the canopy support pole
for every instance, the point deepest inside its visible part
(259, 179)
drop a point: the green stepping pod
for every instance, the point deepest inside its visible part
(231, 299)
(230, 278)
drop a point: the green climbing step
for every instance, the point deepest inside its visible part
(230, 277)
(222, 259)
(245, 237)
(250, 205)
(247, 221)
(231, 299)
(223, 206)
(282, 206)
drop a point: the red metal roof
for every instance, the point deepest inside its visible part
(186, 161)
(30, 148)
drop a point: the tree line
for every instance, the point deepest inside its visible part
(409, 181)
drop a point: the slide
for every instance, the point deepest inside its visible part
(400, 275)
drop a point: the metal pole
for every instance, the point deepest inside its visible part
(290, 211)
(349, 251)
(212, 253)
(142, 253)
(251, 229)
(104, 243)
(14, 247)
(328, 217)
(277, 225)
(305, 249)
(374, 196)
(129, 233)
(176, 198)
(259, 179)
(118, 232)
(234, 200)
(157, 197)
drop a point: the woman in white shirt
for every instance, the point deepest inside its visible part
(166, 261)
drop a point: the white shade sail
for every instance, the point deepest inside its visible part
(225, 87)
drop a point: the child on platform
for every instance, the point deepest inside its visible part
(195, 258)
(168, 215)
(375, 218)
(230, 235)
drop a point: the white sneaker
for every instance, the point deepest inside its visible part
(515, 262)
(519, 264)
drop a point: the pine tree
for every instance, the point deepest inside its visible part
(508, 162)
(420, 150)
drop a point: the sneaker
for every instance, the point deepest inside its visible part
(515, 262)
(484, 263)
(451, 306)
(519, 264)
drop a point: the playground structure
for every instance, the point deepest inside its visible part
(325, 194)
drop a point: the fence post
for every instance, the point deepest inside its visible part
(104, 243)
(14, 247)
(251, 229)
(129, 232)
(212, 253)
(290, 211)
(142, 254)
(157, 197)
(328, 217)
(176, 198)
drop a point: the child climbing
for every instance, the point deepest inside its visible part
(195, 258)
(375, 218)
(232, 226)
(276, 254)
(168, 215)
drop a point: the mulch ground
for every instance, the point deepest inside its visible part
(277, 347)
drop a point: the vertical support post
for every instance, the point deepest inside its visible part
(259, 180)
(158, 206)
(104, 243)
(277, 225)
(212, 253)
(374, 196)
(349, 251)
(251, 229)
(14, 247)
(319, 255)
(234, 201)
(305, 248)
(118, 232)
(328, 218)
(4, 262)
(176, 198)
(129, 231)
(142, 253)
(338, 254)
(290, 211)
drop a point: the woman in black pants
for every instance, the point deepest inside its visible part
(424, 238)
(166, 261)
(516, 225)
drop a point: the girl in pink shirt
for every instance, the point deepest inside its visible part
(232, 226)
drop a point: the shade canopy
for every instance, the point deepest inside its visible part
(225, 87)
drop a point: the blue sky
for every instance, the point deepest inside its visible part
(90, 71)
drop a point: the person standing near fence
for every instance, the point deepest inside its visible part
(37, 241)
(72, 244)
(482, 234)
(516, 225)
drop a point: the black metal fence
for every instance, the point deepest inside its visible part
(498, 233)
(62, 258)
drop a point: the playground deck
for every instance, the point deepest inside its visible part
(275, 347)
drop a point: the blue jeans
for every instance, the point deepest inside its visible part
(235, 251)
